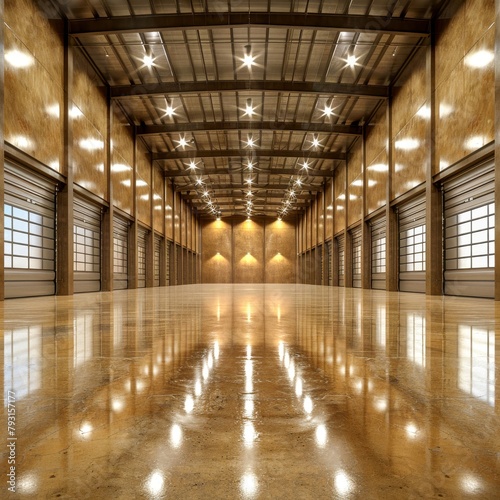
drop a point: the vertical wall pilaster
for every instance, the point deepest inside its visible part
(150, 241)
(64, 207)
(2, 231)
(133, 277)
(433, 197)
(366, 261)
(107, 222)
(497, 148)
(392, 235)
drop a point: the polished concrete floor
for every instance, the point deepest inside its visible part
(252, 391)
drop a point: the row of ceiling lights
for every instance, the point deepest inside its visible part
(250, 110)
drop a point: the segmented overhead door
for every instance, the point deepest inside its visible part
(120, 253)
(411, 219)
(87, 245)
(141, 257)
(328, 263)
(378, 239)
(356, 257)
(469, 220)
(157, 260)
(29, 241)
(341, 258)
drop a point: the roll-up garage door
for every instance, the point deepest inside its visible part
(120, 253)
(328, 263)
(469, 220)
(169, 263)
(411, 220)
(378, 239)
(157, 260)
(29, 242)
(341, 259)
(178, 276)
(311, 266)
(319, 265)
(87, 246)
(141, 257)
(356, 257)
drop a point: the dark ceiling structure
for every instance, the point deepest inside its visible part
(249, 106)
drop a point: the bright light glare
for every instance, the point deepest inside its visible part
(154, 483)
(176, 435)
(249, 485)
(351, 60)
(148, 61)
(189, 404)
(308, 404)
(321, 435)
(343, 483)
(19, 59)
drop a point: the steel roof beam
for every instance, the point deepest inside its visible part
(162, 88)
(286, 20)
(263, 187)
(276, 153)
(256, 171)
(170, 128)
(239, 192)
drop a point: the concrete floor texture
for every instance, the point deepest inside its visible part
(251, 391)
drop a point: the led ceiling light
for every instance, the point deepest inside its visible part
(248, 59)
(192, 165)
(199, 181)
(351, 60)
(148, 60)
(251, 142)
(169, 110)
(250, 165)
(328, 110)
(305, 165)
(315, 142)
(182, 142)
(249, 109)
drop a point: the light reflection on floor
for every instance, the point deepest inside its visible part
(253, 391)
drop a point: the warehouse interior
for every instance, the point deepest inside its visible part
(249, 248)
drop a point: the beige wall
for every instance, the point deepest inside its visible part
(237, 250)
(34, 110)
(34, 113)
(464, 94)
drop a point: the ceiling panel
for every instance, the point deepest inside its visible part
(313, 78)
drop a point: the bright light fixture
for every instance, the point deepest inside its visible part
(250, 142)
(315, 142)
(148, 60)
(249, 109)
(351, 60)
(182, 141)
(248, 59)
(169, 111)
(328, 110)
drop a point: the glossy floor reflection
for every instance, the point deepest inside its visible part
(253, 391)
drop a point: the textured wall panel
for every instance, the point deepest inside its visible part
(248, 257)
(217, 253)
(280, 252)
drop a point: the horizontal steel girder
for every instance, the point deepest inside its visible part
(285, 20)
(308, 127)
(168, 88)
(276, 153)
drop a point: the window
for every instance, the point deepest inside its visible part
(378, 256)
(470, 238)
(29, 239)
(412, 249)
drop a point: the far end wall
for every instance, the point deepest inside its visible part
(237, 250)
